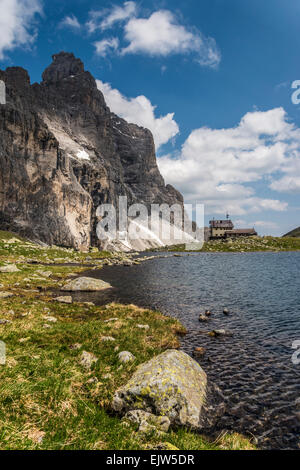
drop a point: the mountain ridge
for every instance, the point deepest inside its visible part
(293, 233)
(63, 153)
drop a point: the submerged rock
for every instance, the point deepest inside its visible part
(216, 333)
(203, 318)
(86, 284)
(199, 352)
(171, 384)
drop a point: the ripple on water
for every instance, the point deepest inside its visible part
(253, 368)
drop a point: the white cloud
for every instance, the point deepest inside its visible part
(218, 166)
(159, 34)
(162, 35)
(290, 181)
(71, 22)
(106, 45)
(119, 14)
(16, 23)
(287, 184)
(266, 224)
(105, 19)
(140, 111)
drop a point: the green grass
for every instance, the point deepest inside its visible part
(47, 398)
(251, 244)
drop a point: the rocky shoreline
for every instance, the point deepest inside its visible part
(84, 355)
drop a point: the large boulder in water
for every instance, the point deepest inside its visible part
(86, 284)
(171, 384)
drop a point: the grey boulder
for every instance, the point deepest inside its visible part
(171, 384)
(85, 284)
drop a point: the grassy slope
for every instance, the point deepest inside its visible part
(252, 244)
(47, 399)
(294, 233)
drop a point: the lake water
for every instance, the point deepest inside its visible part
(254, 367)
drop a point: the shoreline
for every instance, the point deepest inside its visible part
(45, 340)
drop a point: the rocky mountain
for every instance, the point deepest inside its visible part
(294, 233)
(63, 153)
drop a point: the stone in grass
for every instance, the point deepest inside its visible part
(64, 299)
(88, 359)
(163, 446)
(92, 380)
(44, 273)
(50, 318)
(5, 295)
(4, 322)
(76, 346)
(126, 356)
(161, 423)
(143, 327)
(86, 284)
(10, 268)
(171, 384)
(107, 338)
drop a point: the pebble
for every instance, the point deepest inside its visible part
(126, 356)
(88, 359)
(66, 299)
(143, 327)
(50, 319)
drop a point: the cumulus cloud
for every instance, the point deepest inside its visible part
(290, 181)
(105, 19)
(159, 34)
(140, 111)
(16, 23)
(162, 35)
(70, 22)
(106, 45)
(219, 166)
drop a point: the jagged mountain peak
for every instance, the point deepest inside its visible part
(64, 65)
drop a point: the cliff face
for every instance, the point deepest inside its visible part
(62, 153)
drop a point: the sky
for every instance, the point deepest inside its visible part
(212, 79)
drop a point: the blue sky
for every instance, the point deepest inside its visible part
(223, 67)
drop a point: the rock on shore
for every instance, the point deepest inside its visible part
(171, 384)
(85, 284)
